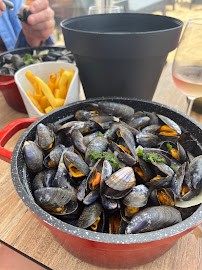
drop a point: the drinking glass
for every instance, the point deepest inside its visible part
(103, 9)
(187, 65)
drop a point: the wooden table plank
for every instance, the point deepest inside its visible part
(22, 230)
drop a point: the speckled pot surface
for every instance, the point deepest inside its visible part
(113, 251)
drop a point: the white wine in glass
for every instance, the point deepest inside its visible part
(187, 65)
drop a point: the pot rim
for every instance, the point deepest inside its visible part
(10, 80)
(66, 24)
(188, 224)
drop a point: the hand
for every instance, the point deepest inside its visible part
(40, 24)
(2, 7)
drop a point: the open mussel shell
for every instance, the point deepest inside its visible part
(48, 177)
(160, 181)
(122, 179)
(169, 122)
(84, 115)
(139, 122)
(178, 180)
(52, 197)
(76, 160)
(195, 172)
(91, 196)
(146, 171)
(153, 218)
(116, 109)
(105, 174)
(53, 158)
(129, 140)
(104, 121)
(110, 205)
(98, 144)
(78, 141)
(33, 156)
(137, 197)
(162, 196)
(177, 151)
(44, 136)
(162, 154)
(69, 211)
(122, 155)
(89, 215)
(195, 200)
(88, 138)
(96, 171)
(119, 183)
(38, 182)
(182, 184)
(61, 178)
(147, 139)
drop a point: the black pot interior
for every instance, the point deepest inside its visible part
(21, 178)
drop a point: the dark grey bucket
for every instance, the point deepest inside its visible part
(121, 54)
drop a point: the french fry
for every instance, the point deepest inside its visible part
(48, 109)
(47, 97)
(53, 77)
(44, 102)
(65, 82)
(72, 72)
(37, 97)
(29, 93)
(51, 81)
(57, 93)
(61, 71)
(57, 81)
(51, 86)
(58, 78)
(32, 79)
(46, 91)
(34, 101)
(58, 102)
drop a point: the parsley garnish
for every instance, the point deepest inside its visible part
(172, 167)
(140, 152)
(149, 157)
(105, 155)
(169, 146)
(100, 134)
(153, 157)
(28, 58)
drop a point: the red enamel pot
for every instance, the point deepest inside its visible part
(101, 249)
(11, 93)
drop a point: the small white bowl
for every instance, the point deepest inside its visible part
(43, 71)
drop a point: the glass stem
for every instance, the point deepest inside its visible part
(190, 102)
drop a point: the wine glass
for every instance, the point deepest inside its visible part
(187, 65)
(103, 9)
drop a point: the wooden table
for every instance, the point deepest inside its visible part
(21, 230)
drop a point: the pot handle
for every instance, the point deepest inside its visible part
(7, 132)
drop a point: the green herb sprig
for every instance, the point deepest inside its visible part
(105, 155)
(150, 157)
(169, 146)
(28, 58)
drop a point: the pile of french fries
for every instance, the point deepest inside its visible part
(47, 97)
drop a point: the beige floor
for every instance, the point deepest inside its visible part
(182, 11)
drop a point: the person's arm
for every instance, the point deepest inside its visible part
(39, 26)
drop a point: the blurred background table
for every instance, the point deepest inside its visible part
(21, 230)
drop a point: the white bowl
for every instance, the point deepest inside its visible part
(43, 71)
